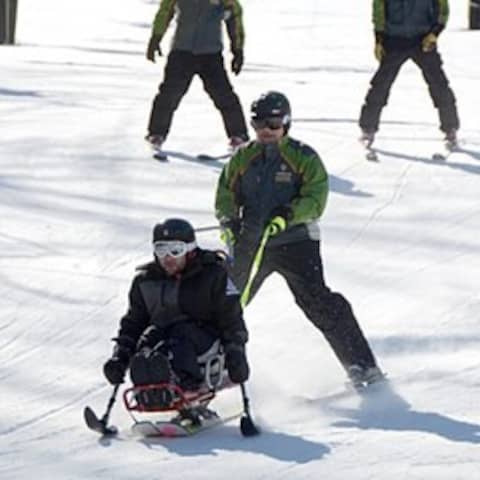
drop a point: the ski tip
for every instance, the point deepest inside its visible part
(161, 157)
(90, 418)
(439, 157)
(93, 423)
(247, 427)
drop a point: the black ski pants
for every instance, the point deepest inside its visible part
(178, 350)
(300, 264)
(180, 69)
(430, 63)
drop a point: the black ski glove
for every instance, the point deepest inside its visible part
(237, 61)
(236, 363)
(153, 46)
(115, 367)
(283, 211)
(114, 370)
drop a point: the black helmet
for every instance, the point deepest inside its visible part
(174, 229)
(272, 104)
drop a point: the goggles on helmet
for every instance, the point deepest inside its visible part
(272, 123)
(174, 248)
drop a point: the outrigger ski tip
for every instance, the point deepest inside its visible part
(96, 424)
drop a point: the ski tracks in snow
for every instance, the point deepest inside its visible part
(396, 192)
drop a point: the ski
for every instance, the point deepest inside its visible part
(350, 392)
(96, 424)
(160, 156)
(164, 156)
(178, 427)
(448, 149)
(204, 157)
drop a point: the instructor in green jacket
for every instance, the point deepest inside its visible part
(278, 185)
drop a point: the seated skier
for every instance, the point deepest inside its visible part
(180, 304)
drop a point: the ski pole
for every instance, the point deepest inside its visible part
(111, 401)
(100, 425)
(208, 229)
(247, 426)
(257, 260)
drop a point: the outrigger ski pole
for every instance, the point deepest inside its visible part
(247, 426)
(100, 425)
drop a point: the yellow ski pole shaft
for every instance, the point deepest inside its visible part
(257, 261)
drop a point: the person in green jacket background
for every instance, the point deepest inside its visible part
(197, 50)
(280, 184)
(409, 29)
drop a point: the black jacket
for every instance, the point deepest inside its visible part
(203, 294)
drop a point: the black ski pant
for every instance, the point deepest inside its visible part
(430, 63)
(180, 69)
(177, 352)
(300, 264)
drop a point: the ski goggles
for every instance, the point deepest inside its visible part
(174, 248)
(272, 123)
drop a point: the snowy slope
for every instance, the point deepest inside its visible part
(79, 195)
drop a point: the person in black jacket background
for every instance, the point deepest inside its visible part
(179, 305)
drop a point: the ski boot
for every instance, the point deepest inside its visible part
(367, 138)
(362, 378)
(156, 141)
(451, 140)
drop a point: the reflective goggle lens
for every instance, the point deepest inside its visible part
(273, 123)
(174, 249)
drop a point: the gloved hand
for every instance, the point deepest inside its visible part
(114, 370)
(429, 42)
(277, 225)
(229, 230)
(153, 46)
(115, 367)
(237, 61)
(236, 363)
(279, 219)
(379, 51)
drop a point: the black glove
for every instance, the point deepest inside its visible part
(153, 46)
(115, 367)
(237, 61)
(283, 211)
(114, 370)
(236, 363)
